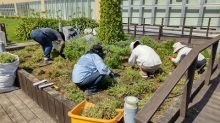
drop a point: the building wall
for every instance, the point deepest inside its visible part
(196, 12)
(65, 9)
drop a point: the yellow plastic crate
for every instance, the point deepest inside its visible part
(74, 114)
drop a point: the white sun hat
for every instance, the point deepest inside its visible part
(133, 43)
(177, 46)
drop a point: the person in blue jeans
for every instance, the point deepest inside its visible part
(90, 70)
(45, 36)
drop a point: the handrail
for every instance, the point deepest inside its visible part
(188, 63)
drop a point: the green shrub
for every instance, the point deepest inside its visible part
(7, 58)
(35, 21)
(74, 49)
(110, 27)
(82, 23)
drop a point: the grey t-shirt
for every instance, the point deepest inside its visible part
(53, 35)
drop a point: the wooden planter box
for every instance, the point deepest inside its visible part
(48, 99)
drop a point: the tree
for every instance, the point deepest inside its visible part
(110, 26)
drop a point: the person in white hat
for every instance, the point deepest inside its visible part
(182, 51)
(147, 59)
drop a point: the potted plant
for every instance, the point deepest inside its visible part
(8, 66)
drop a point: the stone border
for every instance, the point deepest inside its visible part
(48, 99)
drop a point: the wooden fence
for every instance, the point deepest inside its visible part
(161, 26)
(48, 99)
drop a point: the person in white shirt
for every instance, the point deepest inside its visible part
(147, 59)
(182, 51)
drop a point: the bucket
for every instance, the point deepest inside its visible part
(75, 116)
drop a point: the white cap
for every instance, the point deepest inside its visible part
(177, 46)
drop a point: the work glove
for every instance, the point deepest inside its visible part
(111, 75)
(170, 57)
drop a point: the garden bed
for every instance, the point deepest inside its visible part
(127, 82)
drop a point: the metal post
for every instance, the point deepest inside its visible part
(128, 24)
(207, 32)
(135, 29)
(183, 26)
(190, 35)
(144, 27)
(160, 33)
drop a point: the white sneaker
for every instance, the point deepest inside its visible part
(48, 62)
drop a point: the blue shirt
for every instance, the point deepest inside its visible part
(88, 64)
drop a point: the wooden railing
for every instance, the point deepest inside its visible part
(187, 65)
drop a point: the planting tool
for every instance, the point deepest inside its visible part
(40, 82)
(55, 87)
(45, 85)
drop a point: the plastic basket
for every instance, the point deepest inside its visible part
(74, 114)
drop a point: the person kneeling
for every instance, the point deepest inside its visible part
(90, 70)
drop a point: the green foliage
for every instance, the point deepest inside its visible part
(74, 94)
(57, 70)
(120, 90)
(142, 87)
(206, 53)
(82, 23)
(76, 48)
(26, 25)
(116, 54)
(7, 58)
(105, 109)
(110, 27)
(35, 21)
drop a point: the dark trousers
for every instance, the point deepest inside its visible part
(200, 63)
(92, 82)
(39, 36)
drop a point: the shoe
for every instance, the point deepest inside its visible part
(88, 93)
(48, 61)
(145, 77)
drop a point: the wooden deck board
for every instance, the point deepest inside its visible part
(205, 107)
(17, 107)
(45, 118)
(23, 109)
(11, 111)
(4, 118)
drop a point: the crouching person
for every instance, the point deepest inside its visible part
(147, 59)
(90, 70)
(182, 51)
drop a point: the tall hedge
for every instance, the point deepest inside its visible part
(110, 26)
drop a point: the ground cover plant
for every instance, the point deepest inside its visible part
(127, 82)
(7, 58)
